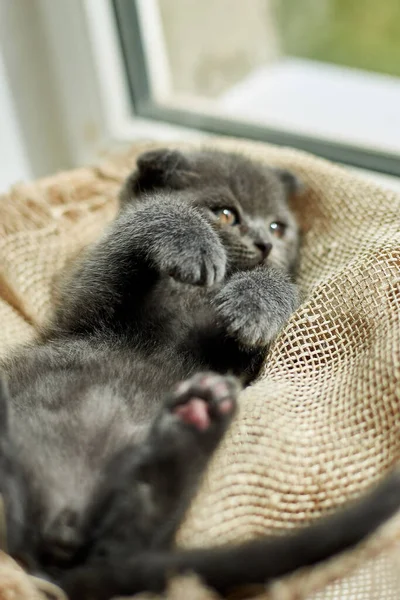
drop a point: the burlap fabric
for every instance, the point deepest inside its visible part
(322, 422)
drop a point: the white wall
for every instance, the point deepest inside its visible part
(14, 165)
(32, 139)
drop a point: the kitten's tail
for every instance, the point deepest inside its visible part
(260, 561)
(255, 562)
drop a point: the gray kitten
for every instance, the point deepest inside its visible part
(109, 420)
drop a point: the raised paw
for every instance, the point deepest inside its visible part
(201, 265)
(179, 242)
(204, 400)
(254, 306)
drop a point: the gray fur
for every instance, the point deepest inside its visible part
(165, 293)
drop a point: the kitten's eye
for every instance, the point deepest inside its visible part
(278, 228)
(227, 216)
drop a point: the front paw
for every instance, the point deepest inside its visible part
(198, 263)
(179, 242)
(254, 306)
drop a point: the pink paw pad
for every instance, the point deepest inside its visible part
(226, 406)
(195, 412)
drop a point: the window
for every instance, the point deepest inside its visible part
(322, 75)
(84, 77)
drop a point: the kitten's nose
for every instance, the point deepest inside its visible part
(265, 248)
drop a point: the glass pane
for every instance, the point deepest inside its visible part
(323, 68)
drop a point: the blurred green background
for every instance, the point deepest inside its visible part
(357, 33)
(214, 44)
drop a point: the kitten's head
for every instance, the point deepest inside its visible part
(246, 201)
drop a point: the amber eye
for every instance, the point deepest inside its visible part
(278, 228)
(226, 216)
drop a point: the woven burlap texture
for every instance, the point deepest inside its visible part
(321, 424)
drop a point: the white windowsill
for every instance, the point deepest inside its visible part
(320, 100)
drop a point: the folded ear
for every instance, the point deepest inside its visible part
(292, 182)
(157, 169)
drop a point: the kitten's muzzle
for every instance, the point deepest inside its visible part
(264, 247)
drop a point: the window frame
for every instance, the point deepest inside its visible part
(95, 94)
(129, 17)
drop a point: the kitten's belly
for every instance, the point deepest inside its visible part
(70, 414)
(66, 450)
